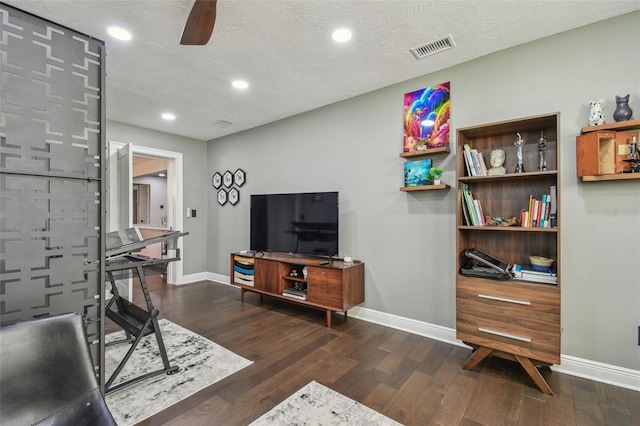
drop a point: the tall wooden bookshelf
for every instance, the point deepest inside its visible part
(513, 319)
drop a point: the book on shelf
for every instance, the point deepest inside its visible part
(539, 280)
(479, 212)
(468, 160)
(468, 202)
(474, 162)
(465, 209)
(538, 213)
(553, 216)
(483, 166)
(295, 294)
(527, 273)
(473, 208)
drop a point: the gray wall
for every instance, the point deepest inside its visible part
(196, 184)
(407, 241)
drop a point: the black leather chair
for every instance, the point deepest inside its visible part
(47, 375)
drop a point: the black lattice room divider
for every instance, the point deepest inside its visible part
(51, 173)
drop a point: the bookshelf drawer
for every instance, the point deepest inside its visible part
(513, 317)
(518, 305)
(496, 334)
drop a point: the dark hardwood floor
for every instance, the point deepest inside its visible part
(411, 379)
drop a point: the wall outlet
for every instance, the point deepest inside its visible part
(188, 212)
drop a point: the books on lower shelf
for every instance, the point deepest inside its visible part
(471, 208)
(527, 273)
(541, 212)
(295, 294)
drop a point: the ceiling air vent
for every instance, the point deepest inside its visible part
(223, 123)
(433, 47)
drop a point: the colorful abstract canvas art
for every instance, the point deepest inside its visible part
(426, 118)
(416, 172)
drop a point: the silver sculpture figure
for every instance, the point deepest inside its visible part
(518, 143)
(542, 152)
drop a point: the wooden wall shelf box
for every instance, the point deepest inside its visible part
(601, 151)
(513, 319)
(425, 153)
(423, 188)
(335, 287)
(619, 126)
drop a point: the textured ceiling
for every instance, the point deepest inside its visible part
(284, 50)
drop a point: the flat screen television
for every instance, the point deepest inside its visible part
(301, 223)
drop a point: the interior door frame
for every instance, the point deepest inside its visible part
(175, 201)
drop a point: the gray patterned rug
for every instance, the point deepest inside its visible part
(316, 404)
(201, 361)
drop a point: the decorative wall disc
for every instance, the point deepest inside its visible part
(227, 179)
(234, 196)
(216, 180)
(239, 177)
(222, 197)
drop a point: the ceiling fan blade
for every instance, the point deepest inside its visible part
(197, 31)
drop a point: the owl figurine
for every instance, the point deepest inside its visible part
(596, 114)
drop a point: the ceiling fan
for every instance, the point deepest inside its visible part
(197, 31)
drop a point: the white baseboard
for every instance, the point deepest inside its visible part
(192, 278)
(587, 369)
(219, 278)
(594, 370)
(432, 331)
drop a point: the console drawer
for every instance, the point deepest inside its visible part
(324, 285)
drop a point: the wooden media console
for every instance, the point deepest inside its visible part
(332, 287)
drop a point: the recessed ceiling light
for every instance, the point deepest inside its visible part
(162, 175)
(240, 84)
(168, 116)
(341, 35)
(119, 33)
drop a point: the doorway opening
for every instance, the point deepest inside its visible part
(121, 184)
(150, 192)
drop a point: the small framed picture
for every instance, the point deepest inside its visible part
(216, 180)
(239, 177)
(227, 179)
(234, 196)
(222, 197)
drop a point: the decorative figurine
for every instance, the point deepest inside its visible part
(596, 114)
(623, 111)
(497, 160)
(518, 143)
(634, 156)
(633, 152)
(542, 152)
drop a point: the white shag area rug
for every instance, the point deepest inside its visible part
(201, 361)
(316, 404)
